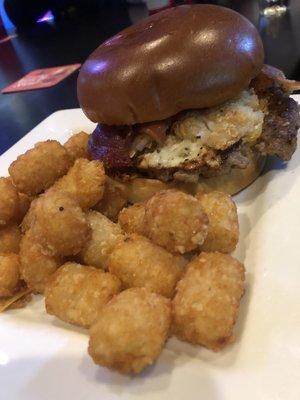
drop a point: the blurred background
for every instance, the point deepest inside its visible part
(47, 33)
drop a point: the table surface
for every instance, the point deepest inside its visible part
(73, 39)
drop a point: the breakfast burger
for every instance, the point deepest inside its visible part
(183, 99)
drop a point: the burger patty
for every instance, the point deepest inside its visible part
(281, 124)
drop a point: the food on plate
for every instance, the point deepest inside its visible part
(141, 189)
(131, 219)
(176, 221)
(29, 217)
(140, 263)
(130, 331)
(206, 305)
(59, 225)
(9, 202)
(105, 235)
(223, 228)
(77, 293)
(35, 266)
(76, 145)
(38, 168)
(113, 200)
(199, 116)
(10, 281)
(10, 237)
(24, 205)
(84, 182)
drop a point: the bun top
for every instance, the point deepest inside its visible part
(186, 57)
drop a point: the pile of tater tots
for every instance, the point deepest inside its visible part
(134, 267)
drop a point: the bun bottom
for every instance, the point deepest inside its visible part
(141, 189)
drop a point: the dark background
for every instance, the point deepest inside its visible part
(78, 29)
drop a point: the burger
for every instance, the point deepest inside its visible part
(183, 99)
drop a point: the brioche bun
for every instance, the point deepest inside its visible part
(182, 58)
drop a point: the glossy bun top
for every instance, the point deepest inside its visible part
(185, 57)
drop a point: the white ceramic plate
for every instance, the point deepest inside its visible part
(43, 358)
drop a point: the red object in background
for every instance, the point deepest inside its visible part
(41, 78)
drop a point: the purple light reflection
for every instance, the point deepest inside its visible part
(47, 17)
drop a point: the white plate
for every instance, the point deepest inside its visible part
(43, 358)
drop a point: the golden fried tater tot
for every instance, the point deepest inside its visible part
(131, 331)
(141, 189)
(77, 145)
(113, 200)
(77, 293)
(141, 263)
(36, 267)
(9, 202)
(131, 219)
(105, 236)
(223, 230)
(38, 168)
(10, 237)
(9, 274)
(206, 304)
(84, 182)
(24, 205)
(176, 221)
(59, 224)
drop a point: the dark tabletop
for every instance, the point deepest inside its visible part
(72, 38)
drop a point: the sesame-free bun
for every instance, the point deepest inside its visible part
(182, 58)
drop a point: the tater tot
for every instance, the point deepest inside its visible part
(131, 331)
(206, 304)
(84, 182)
(105, 236)
(9, 202)
(29, 217)
(38, 168)
(36, 267)
(24, 205)
(9, 274)
(77, 293)
(113, 200)
(77, 145)
(10, 237)
(176, 221)
(223, 230)
(141, 189)
(59, 224)
(131, 219)
(141, 263)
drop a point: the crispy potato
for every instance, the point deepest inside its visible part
(131, 331)
(24, 205)
(140, 263)
(131, 219)
(38, 168)
(113, 200)
(105, 236)
(206, 304)
(9, 274)
(9, 202)
(141, 189)
(59, 224)
(77, 145)
(77, 293)
(176, 221)
(223, 230)
(36, 267)
(84, 182)
(29, 217)
(10, 237)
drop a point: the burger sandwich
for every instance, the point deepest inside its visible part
(183, 99)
